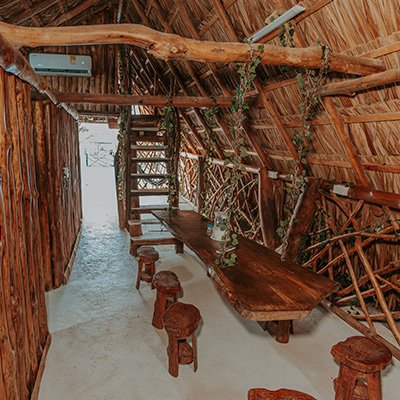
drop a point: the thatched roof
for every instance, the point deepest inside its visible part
(354, 27)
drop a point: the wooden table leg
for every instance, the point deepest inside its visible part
(179, 248)
(283, 331)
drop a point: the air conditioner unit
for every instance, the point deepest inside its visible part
(61, 64)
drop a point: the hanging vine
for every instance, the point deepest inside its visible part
(233, 173)
(309, 83)
(170, 125)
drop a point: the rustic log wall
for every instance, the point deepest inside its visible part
(58, 175)
(34, 199)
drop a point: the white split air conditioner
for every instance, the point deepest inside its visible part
(61, 64)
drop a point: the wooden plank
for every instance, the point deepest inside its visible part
(261, 286)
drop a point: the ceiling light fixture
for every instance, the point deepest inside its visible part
(285, 17)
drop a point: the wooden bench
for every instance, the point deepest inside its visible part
(260, 286)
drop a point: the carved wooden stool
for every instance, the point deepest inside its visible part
(359, 358)
(181, 321)
(167, 285)
(281, 394)
(147, 257)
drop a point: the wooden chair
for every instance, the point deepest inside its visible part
(168, 287)
(180, 322)
(281, 394)
(360, 358)
(147, 257)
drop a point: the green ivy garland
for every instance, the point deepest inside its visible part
(169, 125)
(233, 174)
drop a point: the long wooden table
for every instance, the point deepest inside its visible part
(260, 286)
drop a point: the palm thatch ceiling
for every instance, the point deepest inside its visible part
(357, 138)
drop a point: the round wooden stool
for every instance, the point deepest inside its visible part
(281, 394)
(360, 357)
(181, 321)
(167, 285)
(147, 257)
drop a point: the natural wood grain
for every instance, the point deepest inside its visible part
(260, 287)
(168, 46)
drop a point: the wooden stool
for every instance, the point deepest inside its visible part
(360, 357)
(147, 257)
(181, 321)
(281, 394)
(167, 285)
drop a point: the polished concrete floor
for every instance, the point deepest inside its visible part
(105, 348)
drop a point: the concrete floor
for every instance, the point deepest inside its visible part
(105, 348)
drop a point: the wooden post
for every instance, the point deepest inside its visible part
(269, 223)
(200, 184)
(303, 219)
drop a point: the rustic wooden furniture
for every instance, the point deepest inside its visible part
(147, 257)
(168, 287)
(180, 322)
(281, 394)
(360, 358)
(261, 286)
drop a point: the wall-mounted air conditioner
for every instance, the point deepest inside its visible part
(61, 64)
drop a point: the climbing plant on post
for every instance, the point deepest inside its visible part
(310, 83)
(123, 122)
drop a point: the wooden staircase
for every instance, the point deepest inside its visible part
(147, 176)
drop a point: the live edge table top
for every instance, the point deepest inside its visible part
(260, 286)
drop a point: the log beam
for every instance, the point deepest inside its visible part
(352, 86)
(144, 100)
(169, 46)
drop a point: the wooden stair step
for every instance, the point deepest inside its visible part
(149, 148)
(148, 221)
(144, 128)
(150, 159)
(154, 239)
(149, 192)
(144, 176)
(148, 209)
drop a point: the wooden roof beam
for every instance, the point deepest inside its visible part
(168, 46)
(266, 100)
(63, 18)
(34, 10)
(12, 61)
(352, 86)
(182, 113)
(27, 5)
(345, 140)
(154, 101)
(175, 73)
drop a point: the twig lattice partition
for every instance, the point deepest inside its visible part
(357, 244)
(188, 177)
(247, 220)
